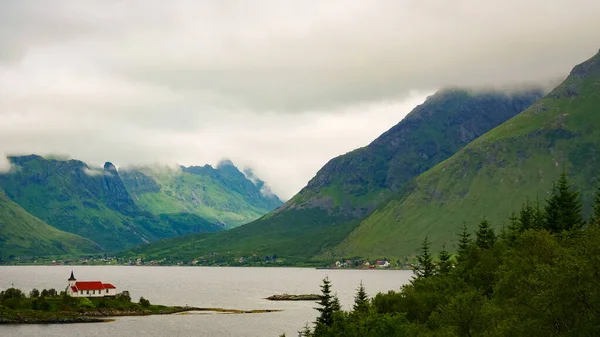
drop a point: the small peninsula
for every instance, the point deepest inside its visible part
(86, 302)
(50, 307)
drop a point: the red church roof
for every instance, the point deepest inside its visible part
(89, 285)
(108, 286)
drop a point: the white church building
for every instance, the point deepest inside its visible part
(89, 288)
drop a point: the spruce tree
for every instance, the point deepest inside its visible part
(303, 333)
(515, 223)
(335, 303)
(425, 266)
(539, 217)
(445, 264)
(485, 236)
(563, 209)
(513, 229)
(361, 300)
(326, 304)
(527, 216)
(464, 243)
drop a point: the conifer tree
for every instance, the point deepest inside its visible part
(327, 304)
(485, 236)
(335, 303)
(445, 264)
(515, 223)
(513, 229)
(303, 333)
(539, 217)
(464, 243)
(527, 216)
(425, 267)
(361, 300)
(563, 209)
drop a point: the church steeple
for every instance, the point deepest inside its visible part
(72, 279)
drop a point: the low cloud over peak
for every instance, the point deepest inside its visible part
(280, 86)
(4, 164)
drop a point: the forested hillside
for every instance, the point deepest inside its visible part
(536, 277)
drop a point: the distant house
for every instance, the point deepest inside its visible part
(382, 264)
(89, 288)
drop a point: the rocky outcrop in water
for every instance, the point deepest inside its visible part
(290, 297)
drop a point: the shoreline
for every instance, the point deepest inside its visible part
(104, 316)
(194, 266)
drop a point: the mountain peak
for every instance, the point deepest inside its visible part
(225, 163)
(110, 167)
(591, 67)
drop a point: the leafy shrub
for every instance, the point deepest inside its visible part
(124, 296)
(11, 293)
(49, 293)
(85, 302)
(144, 302)
(45, 306)
(34, 293)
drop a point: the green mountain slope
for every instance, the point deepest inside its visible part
(22, 234)
(349, 186)
(223, 195)
(495, 174)
(356, 182)
(94, 204)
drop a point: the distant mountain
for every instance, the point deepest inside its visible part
(350, 186)
(354, 183)
(222, 195)
(92, 203)
(22, 234)
(495, 174)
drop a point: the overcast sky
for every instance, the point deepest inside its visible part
(278, 86)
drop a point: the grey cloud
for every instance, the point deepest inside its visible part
(285, 150)
(279, 86)
(4, 164)
(265, 189)
(284, 55)
(94, 172)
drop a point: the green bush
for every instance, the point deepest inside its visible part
(49, 293)
(144, 302)
(124, 296)
(11, 293)
(45, 306)
(85, 303)
(34, 293)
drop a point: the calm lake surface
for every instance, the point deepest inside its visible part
(221, 287)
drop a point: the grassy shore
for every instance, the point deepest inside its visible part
(49, 307)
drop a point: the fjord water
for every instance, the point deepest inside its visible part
(215, 287)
